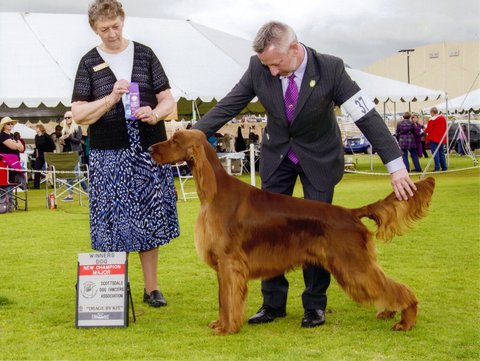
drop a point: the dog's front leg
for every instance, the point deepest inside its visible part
(232, 291)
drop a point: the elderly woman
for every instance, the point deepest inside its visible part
(132, 199)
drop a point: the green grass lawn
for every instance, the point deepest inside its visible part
(439, 259)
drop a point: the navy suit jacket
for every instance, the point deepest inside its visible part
(314, 133)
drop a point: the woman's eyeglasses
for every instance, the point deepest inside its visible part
(9, 123)
(67, 117)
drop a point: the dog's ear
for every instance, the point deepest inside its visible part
(205, 176)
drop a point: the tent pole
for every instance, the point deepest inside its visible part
(395, 114)
(468, 128)
(194, 113)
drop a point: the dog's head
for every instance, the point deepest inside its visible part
(182, 146)
(190, 146)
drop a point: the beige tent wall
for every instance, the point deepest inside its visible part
(451, 66)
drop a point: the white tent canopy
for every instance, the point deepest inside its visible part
(41, 52)
(469, 102)
(24, 131)
(384, 89)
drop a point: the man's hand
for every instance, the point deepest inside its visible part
(402, 184)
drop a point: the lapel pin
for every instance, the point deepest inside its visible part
(312, 83)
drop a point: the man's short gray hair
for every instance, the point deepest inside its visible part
(274, 33)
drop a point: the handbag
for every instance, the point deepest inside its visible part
(5, 204)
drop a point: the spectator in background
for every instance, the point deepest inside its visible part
(213, 140)
(406, 133)
(19, 138)
(86, 148)
(423, 139)
(436, 129)
(461, 139)
(71, 140)
(43, 143)
(10, 148)
(240, 144)
(418, 134)
(56, 138)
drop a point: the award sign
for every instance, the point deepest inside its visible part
(102, 290)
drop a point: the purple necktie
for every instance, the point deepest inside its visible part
(290, 102)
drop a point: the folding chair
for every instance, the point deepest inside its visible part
(64, 175)
(184, 175)
(10, 188)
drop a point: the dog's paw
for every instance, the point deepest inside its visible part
(401, 326)
(220, 331)
(214, 324)
(384, 315)
(217, 328)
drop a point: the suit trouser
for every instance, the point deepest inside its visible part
(316, 278)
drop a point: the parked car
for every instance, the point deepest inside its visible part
(357, 144)
(474, 134)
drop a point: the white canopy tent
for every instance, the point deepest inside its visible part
(384, 89)
(40, 55)
(41, 52)
(24, 131)
(465, 103)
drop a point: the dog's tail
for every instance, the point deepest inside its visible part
(394, 217)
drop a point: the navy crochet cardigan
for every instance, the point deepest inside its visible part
(110, 131)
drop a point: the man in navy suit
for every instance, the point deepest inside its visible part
(299, 89)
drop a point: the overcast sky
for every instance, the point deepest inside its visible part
(359, 31)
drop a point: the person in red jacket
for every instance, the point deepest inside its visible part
(436, 129)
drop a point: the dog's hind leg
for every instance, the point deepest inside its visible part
(366, 283)
(232, 292)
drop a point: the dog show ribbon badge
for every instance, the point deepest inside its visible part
(131, 101)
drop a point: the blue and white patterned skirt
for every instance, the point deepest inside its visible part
(132, 199)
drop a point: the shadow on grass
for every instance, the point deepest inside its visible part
(4, 301)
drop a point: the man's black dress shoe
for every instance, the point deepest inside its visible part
(266, 314)
(313, 318)
(154, 299)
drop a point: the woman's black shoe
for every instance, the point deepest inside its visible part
(154, 299)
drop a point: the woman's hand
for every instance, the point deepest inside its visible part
(147, 115)
(119, 88)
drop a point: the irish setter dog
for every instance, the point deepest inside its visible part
(244, 233)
